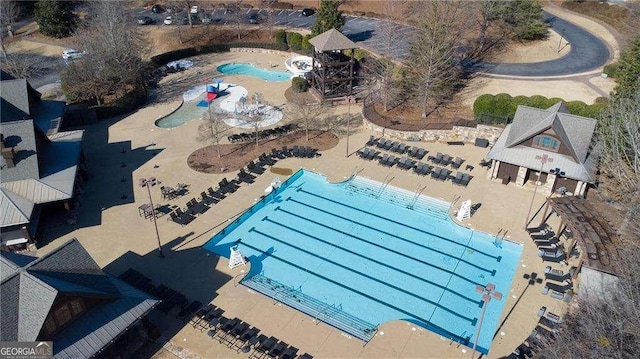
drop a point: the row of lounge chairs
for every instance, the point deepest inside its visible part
(170, 298)
(545, 331)
(445, 160)
(241, 336)
(211, 197)
(397, 147)
(274, 132)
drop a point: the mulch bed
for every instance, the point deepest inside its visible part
(236, 156)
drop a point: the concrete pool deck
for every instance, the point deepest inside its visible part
(107, 220)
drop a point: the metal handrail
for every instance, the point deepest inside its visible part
(275, 295)
(235, 284)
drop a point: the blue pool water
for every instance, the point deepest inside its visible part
(250, 70)
(356, 255)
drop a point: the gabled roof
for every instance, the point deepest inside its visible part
(575, 132)
(525, 156)
(29, 288)
(14, 209)
(332, 40)
(16, 95)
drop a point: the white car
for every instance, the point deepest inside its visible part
(195, 9)
(70, 54)
(168, 20)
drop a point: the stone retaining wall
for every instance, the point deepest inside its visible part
(457, 133)
(262, 51)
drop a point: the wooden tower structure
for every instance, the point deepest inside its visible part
(333, 71)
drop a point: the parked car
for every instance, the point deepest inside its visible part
(156, 9)
(168, 20)
(144, 20)
(253, 19)
(308, 11)
(195, 9)
(71, 54)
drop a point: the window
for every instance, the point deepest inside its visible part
(62, 314)
(76, 307)
(546, 142)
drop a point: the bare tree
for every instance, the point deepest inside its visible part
(618, 143)
(490, 12)
(9, 12)
(432, 71)
(383, 68)
(115, 47)
(24, 65)
(236, 16)
(270, 20)
(213, 128)
(307, 115)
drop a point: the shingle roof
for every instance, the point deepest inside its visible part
(15, 96)
(526, 157)
(575, 132)
(21, 135)
(332, 40)
(30, 286)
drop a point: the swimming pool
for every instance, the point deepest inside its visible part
(357, 254)
(250, 70)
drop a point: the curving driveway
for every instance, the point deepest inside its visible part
(587, 51)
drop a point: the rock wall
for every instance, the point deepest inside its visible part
(457, 133)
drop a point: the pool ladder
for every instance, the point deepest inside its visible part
(417, 195)
(384, 185)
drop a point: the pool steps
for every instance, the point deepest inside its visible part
(319, 310)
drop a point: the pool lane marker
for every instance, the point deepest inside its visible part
(436, 304)
(491, 271)
(436, 327)
(442, 287)
(497, 258)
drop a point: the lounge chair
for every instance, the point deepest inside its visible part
(289, 353)
(372, 141)
(381, 143)
(245, 337)
(215, 194)
(391, 161)
(246, 177)
(446, 160)
(394, 146)
(266, 345)
(254, 168)
(201, 314)
(437, 159)
(457, 162)
(189, 310)
(277, 349)
(466, 178)
(296, 151)
(236, 332)
(458, 178)
(420, 153)
(206, 199)
(444, 174)
(286, 151)
(436, 172)
(402, 148)
(418, 168)
(226, 328)
(383, 160)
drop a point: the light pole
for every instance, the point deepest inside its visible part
(543, 159)
(349, 99)
(488, 292)
(147, 183)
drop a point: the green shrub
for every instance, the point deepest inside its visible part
(281, 37)
(294, 40)
(306, 46)
(492, 109)
(537, 101)
(612, 69)
(299, 84)
(484, 104)
(503, 105)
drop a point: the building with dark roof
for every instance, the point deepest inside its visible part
(550, 146)
(39, 164)
(65, 297)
